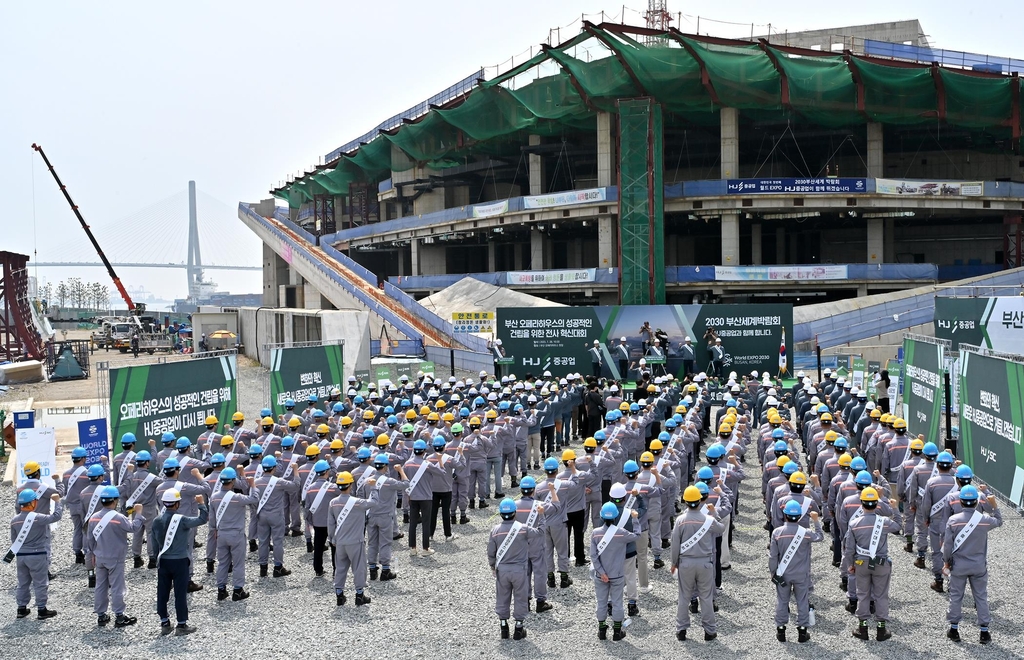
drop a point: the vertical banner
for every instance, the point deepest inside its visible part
(991, 419)
(92, 437)
(148, 400)
(922, 389)
(297, 372)
(39, 445)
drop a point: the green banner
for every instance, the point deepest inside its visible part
(991, 419)
(922, 389)
(392, 371)
(296, 373)
(996, 323)
(176, 396)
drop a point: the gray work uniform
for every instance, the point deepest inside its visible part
(73, 501)
(33, 557)
(511, 576)
(872, 582)
(230, 536)
(348, 540)
(537, 566)
(610, 563)
(797, 575)
(270, 524)
(937, 491)
(695, 566)
(292, 516)
(147, 500)
(924, 471)
(969, 562)
(556, 536)
(380, 521)
(109, 552)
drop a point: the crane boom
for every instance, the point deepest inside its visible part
(132, 307)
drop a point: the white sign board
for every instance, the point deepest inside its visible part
(37, 444)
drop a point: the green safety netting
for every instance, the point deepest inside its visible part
(820, 88)
(975, 102)
(430, 138)
(489, 113)
(671, 75)
(896, 95)
(603, 80)
(743, 76)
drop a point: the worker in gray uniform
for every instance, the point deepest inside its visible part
(139, 489)
(30, 545)
(318, 491)
(346, 527)
(965, 557)
(866, 552)
(75, 482)
(937, 490)
(187, 507)
(380, 521)
(556, 536)
(692, 560)
(227, 514)
(167, 440)
(920, 475)
(789, 563)
(106, 540)
(90, 503)
(508, 554)
(171, 532)
(270, 521)
(608, 568)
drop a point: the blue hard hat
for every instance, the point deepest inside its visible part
(778, 433)
(228, 474)
(379, 459)
(665, 436)
(358, 400)
(780, 445)
(287, 441)
(858, 463)
(600, 436)
(26, 496)
(822, 408)
(964, 472)
(143, 457)
(183, 443)
(930, 449)
(389, 410)
(217, 459)
(610, 416)
(618, 415)
(479, 401)
(677, 418)
(167, 438)
(338, 407)
(715, 451)
(368, 433)
(945, 458)
(255, 450)
(392, 420)
(464, 412)
(504, 405)
(128, 439)
(95, 470)
(363, 453)
(171, 464)
(707, 473)
(703, 488)
(507, 506)
(527, 482)
(609, 511)
(790, 468)
(319, 414)
(968, 493)
(792, 508)
(634, 407)
(670, 423)
(863, 478)
(312, 398)
(266, 412)
(79, 452)
(419, 445)
(841, 442)
(551, 463)
(438, 441)
(732, 403)
(518, 407)
(629, 467)
(289, 403)
(321, 466)
(406, 403)
(109, 493)
(269, 462)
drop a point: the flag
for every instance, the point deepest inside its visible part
(783, 361)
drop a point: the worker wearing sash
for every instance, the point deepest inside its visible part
(420, 497)
(270, 521)
(965, 557)
(124, 459)
(789, 563)
(550, 492)
(508, 554)
(228, 506)
(529, 511)
(167, 440)
(380, 522)
(139, 488)
(91, 504)
(937, 490)
(106, 540)
(171, 533)
(212, 478)
(30, 545)
(920, 475)
(317, 492)
(692, 560)
(903, 478)
(346, 527)
(866, 552)
(75, 482)
(608, 558)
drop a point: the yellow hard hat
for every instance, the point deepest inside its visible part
(647, 457)
(845, 460)
(886, 418)
(916, 444)
(211, 421)
(831, 437)
(731, 418)
(410, 414)
(238, 417)
(491, 414)
(826, 417)
(691, 388)
(652, 388)
(448, 417)
(368, 414)
(782, 460)
(725, 428)
(869, 494)
(268, 421)
(346, 421)
(433, 417)
(474, 421)
(657, 445)
(798, 478)
(323, 428)
(424, 410)
(337, 444)
(773, 412)
(624, 407)
(590, 442)
(226, 441)
(312, 450)
(680, 409)
(32, 467)
(294, 423)
(775, 419)
(383, 439)
(876, 414)
(900, 423)
(731, 410)
(440, 404)
(691, 494)
(568, 455)
(345, 478)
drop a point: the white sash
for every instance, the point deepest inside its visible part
(381, 480)
(531, 519)
(128, 458)
(42, 489)
(910, 477)
(309, 482)
(609, 534)
(172, 529)
(365, 476)
(794, 545)
(968, 528)
(513, 531)
(259, 471)
(937, 507)
(345, 510)
(291, 465)
(224, 505)
(553, 488)
(141, 489)
(93, 501)
(79, 471)
(319, 498)
(102, 524)
(697, 536)
(228, 458)
(185, 460)
(935, 471)
(266, 494)
(806, 504)
(876, 535)
(23, 534)
(420, 470)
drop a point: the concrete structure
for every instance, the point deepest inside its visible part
(852, 37)
(258, 327)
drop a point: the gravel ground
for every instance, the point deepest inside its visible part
(444, 604)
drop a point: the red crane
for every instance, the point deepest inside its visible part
(132, 307)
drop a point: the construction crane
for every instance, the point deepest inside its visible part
(133, 308)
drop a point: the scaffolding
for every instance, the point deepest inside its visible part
(19, 339)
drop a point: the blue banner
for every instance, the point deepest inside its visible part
(819, 186)
(92, 437)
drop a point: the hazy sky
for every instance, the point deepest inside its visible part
(133, 99)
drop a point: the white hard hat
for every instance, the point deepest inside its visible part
(812, 391)
(483, 374)
(642, 402)
(754, 373)
(772, 392)
(622, 339)
(815, 400)
(718, 340)
(596, 343)
(547, 374)
(870, 405)
(497, 342)
(171, 496)
(772, 401)
(800, 374)
(469, 381)
(613, 388)
(643, 362)
(687, 338)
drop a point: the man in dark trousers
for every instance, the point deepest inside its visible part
(170, 534)
(596, 361)
(622, 355)
(689, 355)
(717, 357)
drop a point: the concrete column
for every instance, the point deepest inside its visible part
(538, 250)
(401, 263)
(755, 244)
(414, 246)
(538, 173)
(270, 282)
(491, 267)
(890, 241)
(606, 250)
(517, 256)
(730, 119)
(730, 239)
(605, 150)
(780, 246)
(876, 152)
(876, 240)
(575, 257)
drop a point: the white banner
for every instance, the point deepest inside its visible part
(40, 445)
(490, 210)
(565, 198)
(525, 278)
(780, 273)
(929, 188)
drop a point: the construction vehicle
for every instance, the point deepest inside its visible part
(134, 309)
